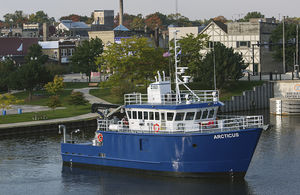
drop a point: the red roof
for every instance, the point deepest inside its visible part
(10, 45)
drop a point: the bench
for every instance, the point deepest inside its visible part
(93, 84)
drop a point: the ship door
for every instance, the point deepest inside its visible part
(163, 121)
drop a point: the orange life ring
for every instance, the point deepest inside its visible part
(100, 137)
(154, 127)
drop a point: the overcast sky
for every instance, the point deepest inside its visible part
(193, 9)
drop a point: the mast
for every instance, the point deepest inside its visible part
(283, 46)
(178, 99)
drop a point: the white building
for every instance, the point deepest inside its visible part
(251, 39)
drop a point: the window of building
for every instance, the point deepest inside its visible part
(243, 44)
(189, 116)
(140, 115)
(64, 52)
(162, 116)
(179, 116)
(71, 51)
(170, 116)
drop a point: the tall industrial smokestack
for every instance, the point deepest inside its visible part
(121, 13)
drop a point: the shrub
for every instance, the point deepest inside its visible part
(77, 98)
(54, 102)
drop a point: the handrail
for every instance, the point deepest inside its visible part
(170, 98)
(221, 125)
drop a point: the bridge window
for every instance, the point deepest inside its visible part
(211, 113)
(151, 116)
(140, 115)
(170, 116)
(162, 115)
(198, 115)
(145, 115)
(129, 114)
(179, 116)
(189, 116)
(204, 115)
(134, 114)
(156, 115)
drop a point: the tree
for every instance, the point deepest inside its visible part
(17, 18)
(56, 86)
(190, 56)
(84, 57)
(33, 73)
(179, 20)
(153, 22)
(251, 15)
(229, 66)
(138, 23)
(290, 40)
(133, 61)
(220, 19)
(39, 17)
(6, 100)
(7, 68)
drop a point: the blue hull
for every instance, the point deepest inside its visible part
(225, 153)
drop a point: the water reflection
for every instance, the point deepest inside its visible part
(125, 182)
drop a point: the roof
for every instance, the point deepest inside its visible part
(49, 44)
(16, 46)
(121, 28)
(71, 25)
(218, 23)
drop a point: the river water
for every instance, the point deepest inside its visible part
(33, 165)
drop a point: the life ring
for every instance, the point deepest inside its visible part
(125, 122)
(100, 137)
(154, 127)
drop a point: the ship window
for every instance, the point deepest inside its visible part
(140, 115)
(189, 116)
(134, 114)
(145, 115)
(204, 115)
(170, 116)
(151, 116)
(156, 115)
(211, 113)
(129, 114)
(179, 116)
(162, 115)
(198, 115)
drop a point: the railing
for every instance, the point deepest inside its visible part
(208, 126)
(170, 98)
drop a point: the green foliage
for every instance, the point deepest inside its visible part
(133, 61)
(276, 39)
(39, 17)
(56, 86)
(56, 69)
(191, 57)
(229, 66)
(54, 102)
(7, 68)
(77, 98)
(84, 57)
(252, 15)
(6, 100)
(35, 53)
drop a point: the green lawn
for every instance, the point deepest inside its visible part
(41, 98)
(106, 95)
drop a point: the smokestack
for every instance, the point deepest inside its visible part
(121, 13)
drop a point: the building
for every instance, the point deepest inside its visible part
(103, 20)
(51, 49)
(73, 28)
(251, 39)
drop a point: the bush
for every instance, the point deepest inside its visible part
(77, 98)
(54, 102)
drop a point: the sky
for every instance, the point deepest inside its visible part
(193, 9)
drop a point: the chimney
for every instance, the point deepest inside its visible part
(45, 32)
(121, 13)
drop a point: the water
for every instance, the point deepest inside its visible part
(32, 165)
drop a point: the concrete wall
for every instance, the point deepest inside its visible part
(258, 98)
(281, 88)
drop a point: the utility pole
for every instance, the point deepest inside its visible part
(283, 46)
(297, 44)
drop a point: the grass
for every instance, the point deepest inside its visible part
(106, 95)
(75, 85)
(42, 99)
